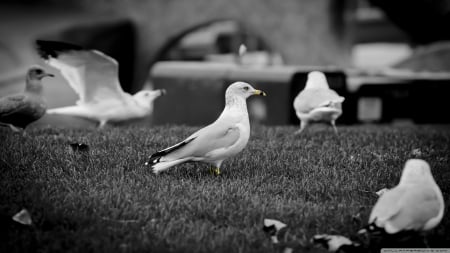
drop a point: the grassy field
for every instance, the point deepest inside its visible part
(106, 200)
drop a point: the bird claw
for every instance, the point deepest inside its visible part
(215, 171)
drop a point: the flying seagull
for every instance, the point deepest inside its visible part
(19, 110)
(224, 138)
(415, 204)
(94, 77)
(317, 102)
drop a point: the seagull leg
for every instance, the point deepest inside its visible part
(303, 124)
(12, 127)
(215, 171)
(425, 241)
(102, 124)
(333, 124)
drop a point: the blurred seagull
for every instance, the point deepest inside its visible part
(272, 228)
(19, 110)
(23, 217)
(280, 237)
(337, 243)
(94, 77)
(241, 53)
(317, 102)
(415, 204)
(224, 138)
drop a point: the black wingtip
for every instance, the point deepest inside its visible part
(153, 159)
(156, 157)
(47, 48)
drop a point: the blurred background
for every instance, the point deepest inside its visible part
(390, 59)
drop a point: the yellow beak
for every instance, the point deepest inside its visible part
(260, 92)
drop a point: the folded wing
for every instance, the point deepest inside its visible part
(202, 144)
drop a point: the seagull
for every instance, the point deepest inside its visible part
(224, 138)
(280, 237)
(272, 228)
(241, 53)
(317, 102)
(415, 204)
(23, 217)
(19, 110)
(93, 75)
(337, 243)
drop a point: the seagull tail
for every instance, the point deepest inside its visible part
(162, 166)
(70, 110)
(47, 49)
(155, 160)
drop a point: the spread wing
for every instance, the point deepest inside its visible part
(310, 99)
(91, 74)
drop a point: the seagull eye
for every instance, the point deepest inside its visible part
(245, 88)
(38, 71)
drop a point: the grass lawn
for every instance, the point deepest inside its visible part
(106, 200)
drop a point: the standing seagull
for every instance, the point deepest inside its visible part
(416, 203)
(94, 77)
(224, 138)
(317, 102)
(19, 110)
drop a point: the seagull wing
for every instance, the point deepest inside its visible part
(206, 141)
(91, 74)
(405, 208)
(12, 104)
(310, 99)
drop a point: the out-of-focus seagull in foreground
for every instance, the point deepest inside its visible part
(337, 243)
(415, 204)
(19, 110)
(224, 138)
(317, 102)
(94, 77)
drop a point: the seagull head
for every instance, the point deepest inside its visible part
(242, 90)
(416, 171)
(145, 98)
(316, 80)
(37, 73)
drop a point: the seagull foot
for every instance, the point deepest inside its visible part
(215, 171)
(298, 132)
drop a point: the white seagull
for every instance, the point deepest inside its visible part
(224, 138)
(337, 243)
(416, 203)
(317, 102)
(94, 77)
(272, 228)
(19, 110)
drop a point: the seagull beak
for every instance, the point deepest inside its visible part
(48, 74)
(260, 92)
